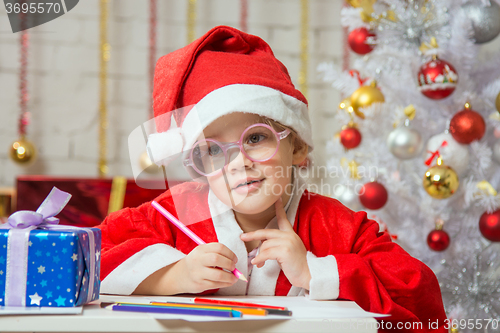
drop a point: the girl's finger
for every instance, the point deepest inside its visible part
(275, 242)
(221, 249)
(273, 253)
(213, 259)
(283, 223)
(219, 275)
(262, 234)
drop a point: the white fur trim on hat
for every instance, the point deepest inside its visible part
(164, 147)
(249, 98)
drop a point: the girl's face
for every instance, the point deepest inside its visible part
(251, 187)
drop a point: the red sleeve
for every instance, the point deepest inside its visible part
(130, 230)
(373, 271)
(381, 277)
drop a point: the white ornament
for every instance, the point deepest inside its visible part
(485, 20)
(405, 143)
(454, 154)
(347, 196)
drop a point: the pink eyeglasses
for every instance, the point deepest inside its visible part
(258, 142)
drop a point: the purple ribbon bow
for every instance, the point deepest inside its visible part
(44, 215)
(20, 225)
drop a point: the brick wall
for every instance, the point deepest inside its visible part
(63, 74)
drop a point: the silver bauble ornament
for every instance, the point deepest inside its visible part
(347, 196)
(454, 154)
(485, 20)
(496, 151)
(405, 143)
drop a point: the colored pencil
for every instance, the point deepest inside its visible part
(181, 311)
(234, 312)
(236, 303)
(246, 311)
(279, 312)
(188, 232)
(178, 305)
(243, 309)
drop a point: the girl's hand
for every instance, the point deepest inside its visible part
(202, 270)
(283, 245)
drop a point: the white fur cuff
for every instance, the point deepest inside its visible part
(124, 279)
(324, 282)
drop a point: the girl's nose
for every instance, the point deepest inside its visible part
(238, 160)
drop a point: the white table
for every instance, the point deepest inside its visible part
(96, 319)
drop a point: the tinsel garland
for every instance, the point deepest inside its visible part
(23, 84)
(103, 81)
(346, 53)
(244, 15)
(22, 151)
(144, 160)
(191, 21)
(152, 52)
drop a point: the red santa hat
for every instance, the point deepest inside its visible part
(224, 71)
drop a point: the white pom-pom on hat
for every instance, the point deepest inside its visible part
(164, 147)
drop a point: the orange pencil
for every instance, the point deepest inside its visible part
(221, 302)
(247, 311)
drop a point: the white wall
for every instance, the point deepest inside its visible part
(63, 74)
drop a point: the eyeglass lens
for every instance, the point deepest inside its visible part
(259, 144)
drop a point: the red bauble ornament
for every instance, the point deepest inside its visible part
(438, 240)
(437, 79)
(361, 40)
(489, 225)
(350, 137)
(467, 125)
(373, 195)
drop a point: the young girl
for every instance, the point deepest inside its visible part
(241, 129)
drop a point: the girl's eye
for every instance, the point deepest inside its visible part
(196, 152)
(214, 150)
(256, 138)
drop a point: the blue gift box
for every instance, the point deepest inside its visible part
(59, 271)
(46, 264)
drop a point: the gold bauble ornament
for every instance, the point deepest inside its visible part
(440, 181)
(22, 151)
(497, 102)
(146, 164)
(346, 106)
(365, 96)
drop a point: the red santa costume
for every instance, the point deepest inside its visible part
(227, 71)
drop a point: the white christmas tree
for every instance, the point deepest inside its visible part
(435, 102)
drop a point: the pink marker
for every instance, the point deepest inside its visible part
(188, 232)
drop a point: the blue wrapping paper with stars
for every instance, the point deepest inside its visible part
(63, 266)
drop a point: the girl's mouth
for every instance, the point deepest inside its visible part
(248, 186)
